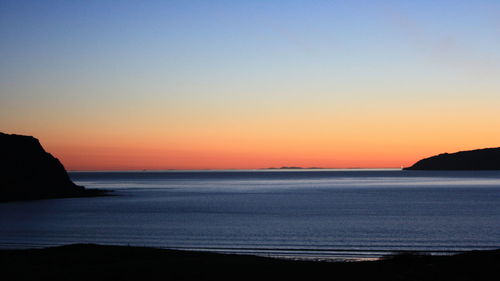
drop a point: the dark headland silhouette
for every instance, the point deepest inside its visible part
(28, 172)
(479, 159)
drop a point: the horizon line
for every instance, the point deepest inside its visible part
(236, 169)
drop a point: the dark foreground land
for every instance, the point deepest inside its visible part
(95, 262)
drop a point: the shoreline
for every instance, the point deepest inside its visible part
(296, 254)
(84, 261)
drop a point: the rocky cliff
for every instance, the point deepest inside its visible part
(27, 172)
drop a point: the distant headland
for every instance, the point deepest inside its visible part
(28, 172)
(479, 159)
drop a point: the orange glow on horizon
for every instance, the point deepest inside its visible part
(189, 157)
(248, 86)
(384, 136)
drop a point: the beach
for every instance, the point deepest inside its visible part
(98, 262)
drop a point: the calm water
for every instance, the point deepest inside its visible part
(317, 213)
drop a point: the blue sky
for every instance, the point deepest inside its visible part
(181, 64)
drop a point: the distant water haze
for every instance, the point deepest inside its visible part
(313, 213)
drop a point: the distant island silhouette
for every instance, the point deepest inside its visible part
(479, 159)
(28, 172)
(293, 168)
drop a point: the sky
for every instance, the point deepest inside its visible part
(132, 85)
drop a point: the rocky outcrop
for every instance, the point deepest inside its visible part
(28, 172)
(480, 159)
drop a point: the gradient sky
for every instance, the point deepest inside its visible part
(121, 85)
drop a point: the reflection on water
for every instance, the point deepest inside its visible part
(346, 213)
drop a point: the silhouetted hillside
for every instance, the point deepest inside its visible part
(27, 172)
(480, 159)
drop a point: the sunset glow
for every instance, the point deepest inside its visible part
(250, 84)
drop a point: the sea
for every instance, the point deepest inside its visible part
(317, 214)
